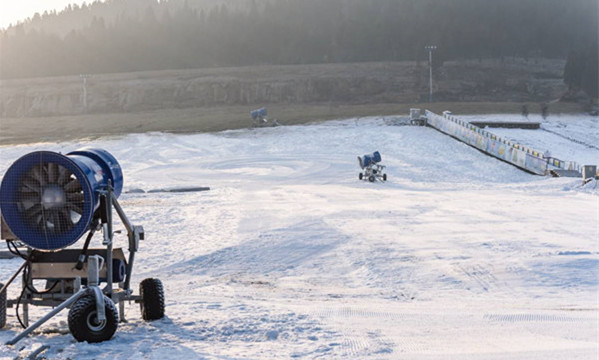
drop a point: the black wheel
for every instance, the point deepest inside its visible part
(152, 299)
(384, 177)
(371, 178)
(2, 307)
(361, 176)
(84, 324)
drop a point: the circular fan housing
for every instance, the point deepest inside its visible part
(48, 199)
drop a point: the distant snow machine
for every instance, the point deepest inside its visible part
(260, 119)
(49, 201)
(416, 118)
(372, 169)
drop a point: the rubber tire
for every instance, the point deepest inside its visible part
(2, 308)
(152, 299)
(361, 176)
(371, 178)
(85, 307)
(384, 177)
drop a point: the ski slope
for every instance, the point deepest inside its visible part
(289, 255)
(567, 137)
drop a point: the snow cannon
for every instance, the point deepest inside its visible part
(372, 169)
(260, 120)
(370, 159)
(48, 201)
(258, 113)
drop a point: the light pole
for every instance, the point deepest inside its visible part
(84, 79)
(430, 49)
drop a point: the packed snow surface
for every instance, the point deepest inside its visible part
(289, 255)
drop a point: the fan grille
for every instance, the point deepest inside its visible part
(47, 200)
(50, 198)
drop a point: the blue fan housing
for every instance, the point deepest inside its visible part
(371, 159)
(48, 200)
(258, 113)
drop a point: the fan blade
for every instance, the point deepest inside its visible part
(38, 221)
(64, 213)
(33, 211)
(76, 197)
(32, 185)
(55, 220)
(75, 208)
(60, 223)
(73, 186)
(63, 176)
(38, 175)
(29, 196)
(52, 169)
(50, 222)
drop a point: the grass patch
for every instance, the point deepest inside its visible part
(211, 119)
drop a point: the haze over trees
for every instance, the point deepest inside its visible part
(582, 71)
(136, 35)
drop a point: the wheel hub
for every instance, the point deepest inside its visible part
(92, 322)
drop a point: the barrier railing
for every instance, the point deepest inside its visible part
(516, 154)
(564, 165)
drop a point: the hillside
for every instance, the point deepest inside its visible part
(119, 36)
(514, 80)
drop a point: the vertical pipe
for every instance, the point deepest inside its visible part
(430, 68)
(85, 94)
(122, 310)
(109, 245)
(25, 301)
(132, 240)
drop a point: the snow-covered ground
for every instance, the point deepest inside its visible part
(567, 137)
(289, 255)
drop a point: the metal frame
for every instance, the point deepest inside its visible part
(375, 170)
(70, 288)
(265, 122)
(261, 120)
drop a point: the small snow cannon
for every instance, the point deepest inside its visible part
(48, 201)
(259, 116)
(372, 169)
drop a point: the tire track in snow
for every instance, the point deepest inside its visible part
(511, 318)
(353, 346)
(484, 277)
(372, 343)
(580, 142)
(479, 275)
(348, 312)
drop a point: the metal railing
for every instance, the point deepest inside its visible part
(521, 156)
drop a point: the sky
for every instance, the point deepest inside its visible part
(13, 11)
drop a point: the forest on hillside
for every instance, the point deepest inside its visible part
(137, 35)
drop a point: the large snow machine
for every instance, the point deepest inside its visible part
(260, 118)
(49, 201)
(373, 170)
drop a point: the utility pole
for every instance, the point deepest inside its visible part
(84, 79)
(430, 49)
